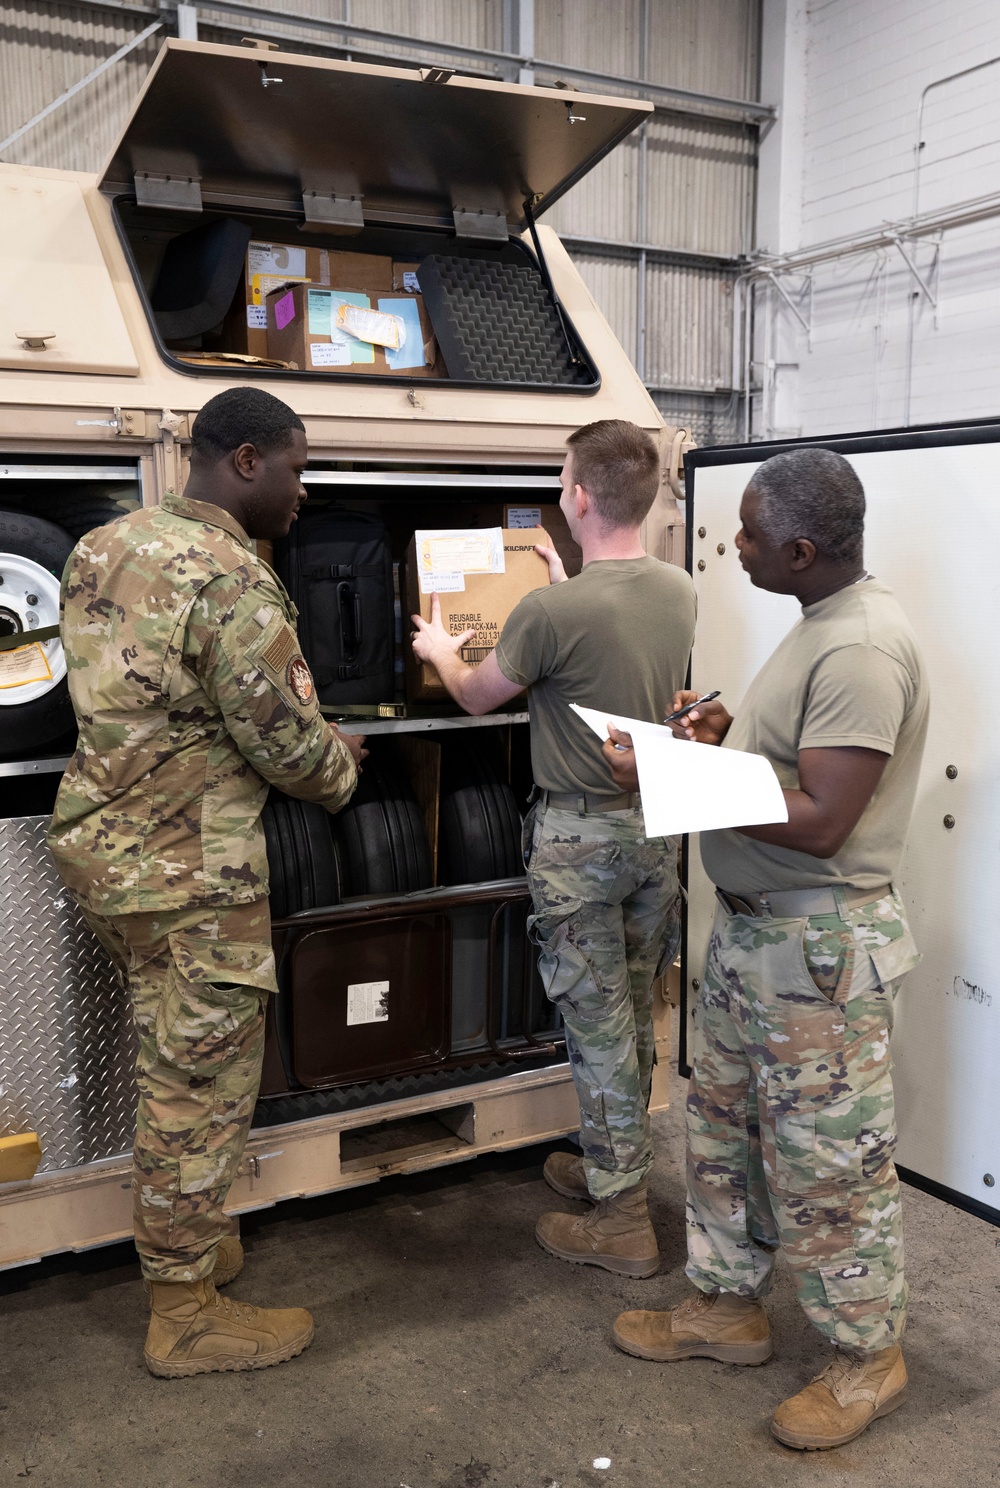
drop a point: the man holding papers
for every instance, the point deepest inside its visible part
(790, 1107)
(604, 895)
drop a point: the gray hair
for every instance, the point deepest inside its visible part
(815, 494)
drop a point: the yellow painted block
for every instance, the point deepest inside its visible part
(19, 1157)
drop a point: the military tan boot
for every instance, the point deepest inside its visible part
(192, 1330)
(228, 1262)
(616, 1235)
(852, 1391)
(717, 1325)
(564, 1173)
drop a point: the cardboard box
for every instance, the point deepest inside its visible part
(302, 327)
(271, 266)
(525, 514)
(483, 605)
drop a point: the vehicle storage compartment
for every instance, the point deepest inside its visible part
(354, 221)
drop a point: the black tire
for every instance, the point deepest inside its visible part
(381, 843)
(85, 513)
(27, 726)
(480, 826)
(302, 863)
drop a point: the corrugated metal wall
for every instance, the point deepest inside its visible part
(657, 228)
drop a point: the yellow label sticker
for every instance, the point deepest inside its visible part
(26, 664)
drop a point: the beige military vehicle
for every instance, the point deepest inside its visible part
(248, 185)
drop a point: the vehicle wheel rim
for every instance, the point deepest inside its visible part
(22, 580)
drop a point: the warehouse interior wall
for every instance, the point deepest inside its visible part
(660, 230)
(883, 170)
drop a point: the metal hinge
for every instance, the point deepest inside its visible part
(480, 225)
(173, 193)
(123, 421)
(329, 210)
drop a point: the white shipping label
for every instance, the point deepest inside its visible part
(367, 1002)
(524, 516)
(276, 258)
(330, 354)
(442, 583)
(465, 550)
(410, 281)
(257, 317)
(26, 664)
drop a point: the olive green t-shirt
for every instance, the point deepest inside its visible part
(617, 636)
(848, 675)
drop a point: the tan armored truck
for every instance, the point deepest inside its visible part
(261, 216)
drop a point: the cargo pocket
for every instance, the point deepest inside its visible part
(834, 1127)
(213, 1005)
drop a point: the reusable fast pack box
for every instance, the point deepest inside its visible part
(362, 329)
(472, 597)
(548, 515)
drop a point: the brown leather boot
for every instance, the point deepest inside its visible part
(564, 1173)
(852, 1391)
(716, 1325)
(616, 1234)
(192, 1330)
(228, 1262)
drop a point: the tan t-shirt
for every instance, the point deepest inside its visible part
(849, 674)
(618, 636)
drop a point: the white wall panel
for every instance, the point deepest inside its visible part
(865, 67)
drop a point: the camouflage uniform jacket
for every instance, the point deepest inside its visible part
(191, 695)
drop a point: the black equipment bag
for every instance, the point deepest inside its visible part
(337, 568)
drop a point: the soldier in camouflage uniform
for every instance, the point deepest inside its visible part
(616, 636)
(791, 1126)
(192, 696)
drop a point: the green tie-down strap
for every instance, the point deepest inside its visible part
(29, 637)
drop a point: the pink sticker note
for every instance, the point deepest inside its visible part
(284, 310)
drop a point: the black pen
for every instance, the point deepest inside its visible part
(682, 712)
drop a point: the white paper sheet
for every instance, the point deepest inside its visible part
(688, 787)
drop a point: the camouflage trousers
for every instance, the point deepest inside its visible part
(606, 921)
(791, 1125)
(198, 979)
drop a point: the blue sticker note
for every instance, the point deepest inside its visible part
(411, 352)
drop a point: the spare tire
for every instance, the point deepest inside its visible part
(302, 863)
(479, 835)
(382, 846)
(34, 698)
(83, 513)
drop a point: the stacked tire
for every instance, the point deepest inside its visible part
(479, 832)
(376, 846)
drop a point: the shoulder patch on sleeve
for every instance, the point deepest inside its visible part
(279, 652)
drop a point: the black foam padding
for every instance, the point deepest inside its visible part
(381, 843)
(199, 275)
(479, 823)
(496, 322)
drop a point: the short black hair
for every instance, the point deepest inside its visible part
(243, 416)
(812, 493)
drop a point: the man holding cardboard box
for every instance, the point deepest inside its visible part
(618, 636)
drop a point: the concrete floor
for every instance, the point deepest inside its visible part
(451, 1352)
